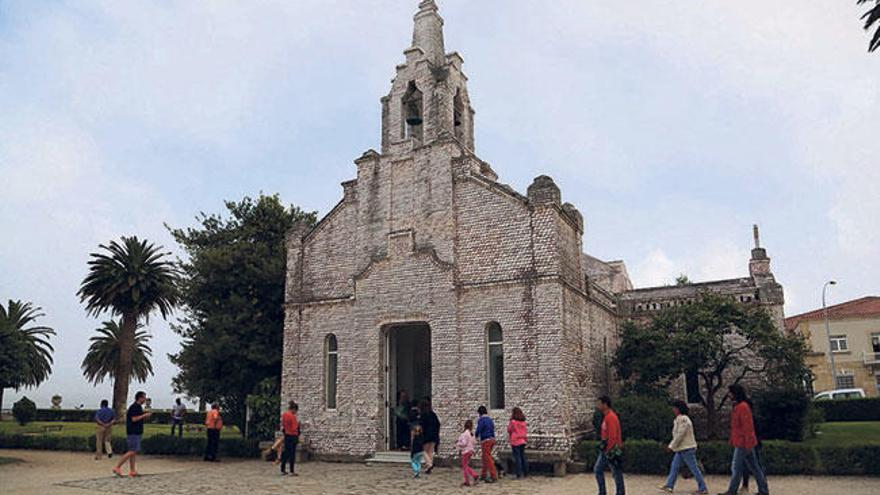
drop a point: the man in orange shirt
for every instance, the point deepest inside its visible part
(290, 427)
(214, 424)
(610, 450)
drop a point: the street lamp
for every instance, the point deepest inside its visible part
(828, 335)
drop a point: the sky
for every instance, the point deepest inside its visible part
(672, 125)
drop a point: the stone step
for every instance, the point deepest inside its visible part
(389, 458)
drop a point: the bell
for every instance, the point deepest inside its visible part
(414, 120)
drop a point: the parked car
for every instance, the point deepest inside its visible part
(841, 393)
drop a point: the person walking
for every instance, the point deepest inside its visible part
(104, 418)
(758, 448)
(684, 445)
(178, 412)
(134, 431)
(290, 428)
(431, 431)
(417, 447)
(744, 441)
(213, 425)
(467, 443)
(486, 435)
(610, 449)
(516, 433)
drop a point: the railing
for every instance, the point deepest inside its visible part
(871, 357)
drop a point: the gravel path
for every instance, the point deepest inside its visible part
(62, 473)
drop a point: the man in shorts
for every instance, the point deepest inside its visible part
(134, 430)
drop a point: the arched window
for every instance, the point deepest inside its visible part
(331, 365)
(495, 353)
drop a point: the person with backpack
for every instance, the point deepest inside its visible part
(684, 445)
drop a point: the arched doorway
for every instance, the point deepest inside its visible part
(407, 369)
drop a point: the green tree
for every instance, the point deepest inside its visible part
(718, 341)
(25, 351)
(871, 17)
(233, 296)
(102, 358)
(131, 279)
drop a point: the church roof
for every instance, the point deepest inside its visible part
(865, 306)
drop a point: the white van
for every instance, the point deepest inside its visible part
(841, 393)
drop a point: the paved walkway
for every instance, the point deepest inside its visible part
(62, 473)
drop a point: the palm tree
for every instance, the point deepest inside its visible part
(25, 351)
(102, 359)
(871, 17)
(131, 279)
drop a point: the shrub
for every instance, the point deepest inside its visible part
(24, 411)
(854, 460)
(88, 415)
(155, 445)
(850, 409)
(264, 406)
(641, 418)
(781, 414)
(648, 457)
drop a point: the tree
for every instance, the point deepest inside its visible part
(102, 358)
(682, 280)
(233, 296)
(871, 17)
(25, 351)
(717, 341)
(131, 279)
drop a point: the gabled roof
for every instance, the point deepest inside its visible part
(866, 306)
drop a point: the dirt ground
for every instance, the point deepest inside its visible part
(64, 473)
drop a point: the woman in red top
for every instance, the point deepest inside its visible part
(612, 444)
(516, 433)
(744, 441)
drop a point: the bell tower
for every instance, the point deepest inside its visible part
(428, 101)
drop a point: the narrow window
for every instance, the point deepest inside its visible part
(496, 365)
(331, 364)
(692, 386)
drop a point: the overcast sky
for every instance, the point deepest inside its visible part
(672, 124)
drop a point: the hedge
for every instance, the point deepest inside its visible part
(88, 415)
(154, 445)
(850, 409)
(777, 457)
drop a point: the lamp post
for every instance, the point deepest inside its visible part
(828, 335)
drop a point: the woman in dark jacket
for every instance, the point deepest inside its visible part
(431, 428)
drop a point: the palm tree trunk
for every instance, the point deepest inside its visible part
(123, 367)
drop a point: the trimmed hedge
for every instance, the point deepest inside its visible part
(647, 418)
(155, 445)
(88, 415)
(777, 457)
(850, 409)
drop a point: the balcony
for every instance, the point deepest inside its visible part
(871, 358)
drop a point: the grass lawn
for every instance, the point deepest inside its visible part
(8, 460)
(850, 433)
(88, 429)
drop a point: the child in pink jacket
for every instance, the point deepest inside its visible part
(516, 433)
(466, 445)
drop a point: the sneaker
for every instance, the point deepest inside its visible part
(109, 456)
(134, 474)
(428, 471)
(118, 472)
(283, 473)
(701, 492)
(665, 489)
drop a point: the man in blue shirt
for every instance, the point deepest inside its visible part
(104, 430)
(486, 435)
